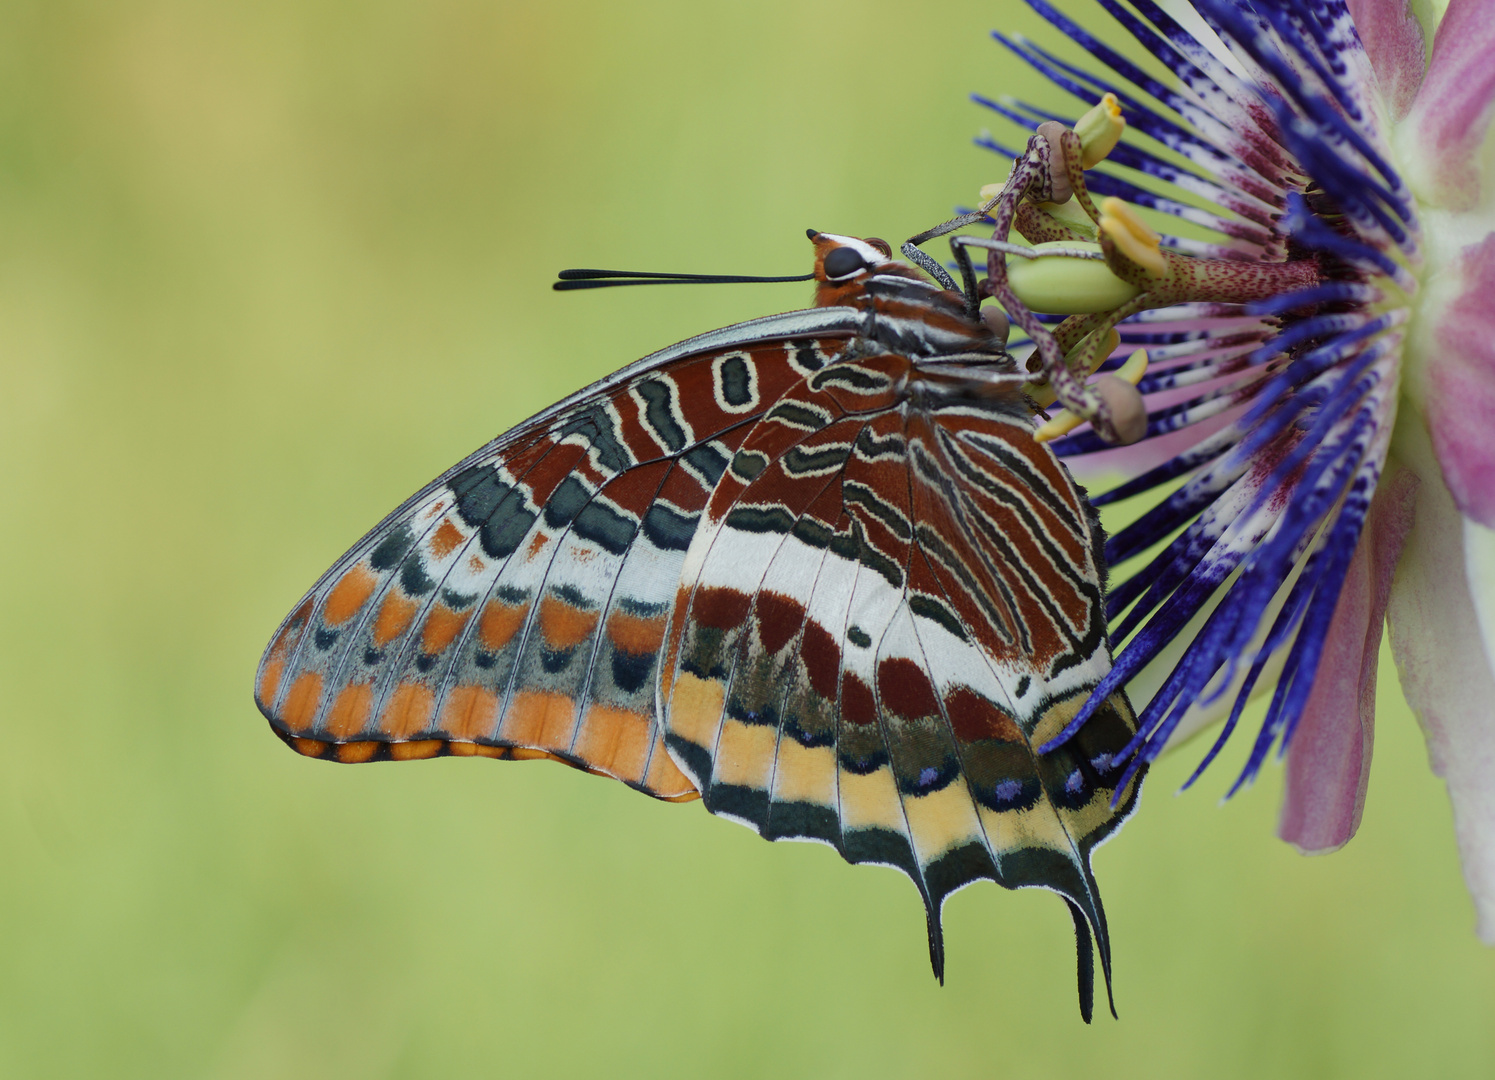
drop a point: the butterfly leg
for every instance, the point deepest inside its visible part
(932, 267)
(968, 275)
(1048, 176)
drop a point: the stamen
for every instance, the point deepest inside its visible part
(1291, 327)
(1129, 416)
(1131, 236)
(1100, 130)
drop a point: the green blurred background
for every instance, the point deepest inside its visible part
(265, 268)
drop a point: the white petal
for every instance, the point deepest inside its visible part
(1479, 567)
(1445, 666)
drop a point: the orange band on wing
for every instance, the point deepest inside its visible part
(348, 595)
(408, 711)
(470, 713)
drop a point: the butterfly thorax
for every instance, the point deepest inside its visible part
(905, 312)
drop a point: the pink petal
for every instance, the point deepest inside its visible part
(1104, 466)
(1453, 108)
(1446, 677)
(1461, 385)
(1393, 40)
(1328, 762)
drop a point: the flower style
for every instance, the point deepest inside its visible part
(1317, 454)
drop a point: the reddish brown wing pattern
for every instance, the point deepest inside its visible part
(516, 607)
(894, 598)
(894, 595)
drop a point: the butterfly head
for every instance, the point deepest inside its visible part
(844, 264)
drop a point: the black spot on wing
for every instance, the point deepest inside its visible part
(414, 579)
(707, 461)
(760, 519)
(806, 819)
(478, 491)
(502, 535)
(572, 596)
(668, 529)
(747, 464)
(1010, 793)
(596, 425)
(816, 533)
(457, 600)
(631, 670)
(799, 461)
(696, 761)
(869, 447)
(856, 494)
(873, 559)
(736, 800)
(568, 500)
(880, 846)
(807, 356)
(392, 548)
(957, 867)
(658, 396)
(736, 381)
(496, 509)
(606, 527)
(797, 415)
(848, 375)
(936, 611)
(554, 661)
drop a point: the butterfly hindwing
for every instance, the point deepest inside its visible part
(893, 599)
(517, 605)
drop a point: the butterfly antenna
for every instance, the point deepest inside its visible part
(603, 279)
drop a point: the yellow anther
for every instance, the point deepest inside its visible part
(1102, 354)
(1064, 421)
(1131, 235)
(1100, 130)
(1061, 423)
(1070, 213)
(1042, 393)
(991, 191)
(1134, 368)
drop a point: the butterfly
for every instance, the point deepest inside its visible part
(813, 569)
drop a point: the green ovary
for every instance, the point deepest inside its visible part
(1064, 286)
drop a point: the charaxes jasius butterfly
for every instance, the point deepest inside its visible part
(813, 569)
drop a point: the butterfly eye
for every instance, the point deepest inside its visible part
(843, 262)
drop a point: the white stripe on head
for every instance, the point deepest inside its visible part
(870, 255)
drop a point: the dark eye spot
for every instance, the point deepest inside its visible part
(843, 262)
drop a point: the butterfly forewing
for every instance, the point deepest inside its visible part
(517, 605)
